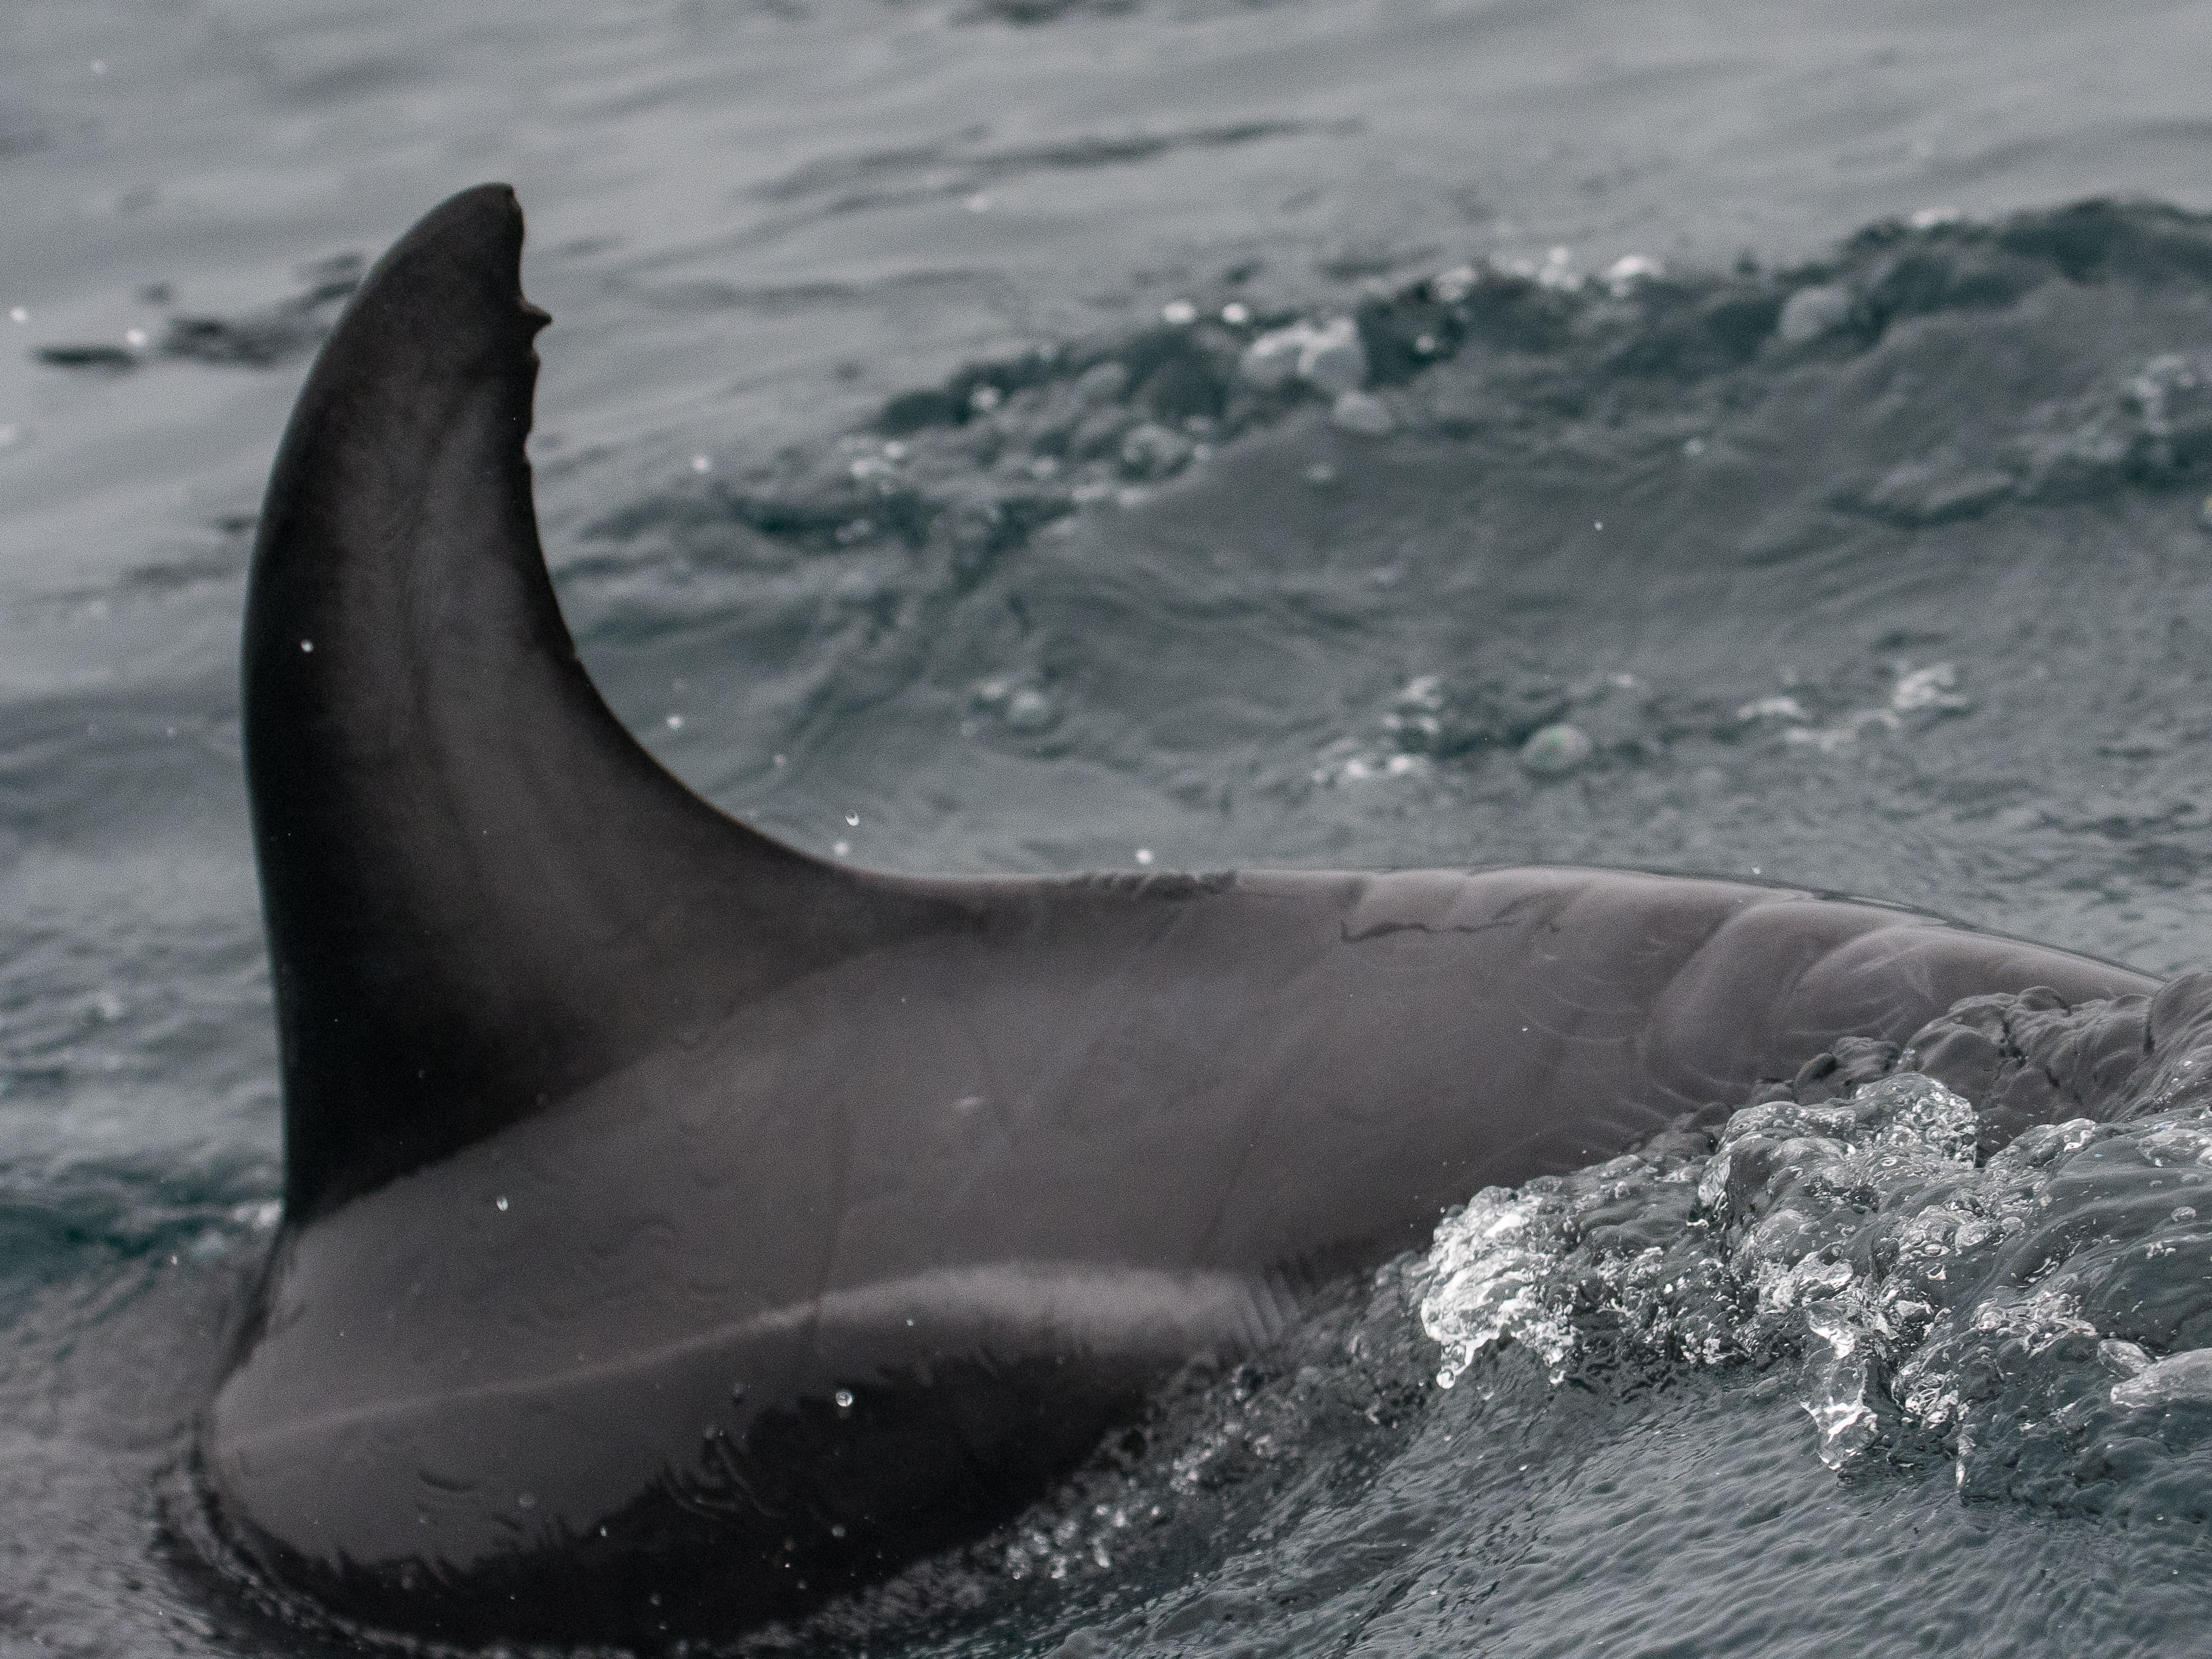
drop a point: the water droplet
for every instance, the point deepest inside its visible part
(307, 645)
(1235, 314)
(1144, 855)
(500, 1202)
(134, 337)
(700, 464)
(853, 820)
(844, 1399)
(841, 848)
(676, 722)
(18, 314)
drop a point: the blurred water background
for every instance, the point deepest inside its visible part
(1031, 434)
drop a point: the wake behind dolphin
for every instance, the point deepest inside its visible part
(679, 1229)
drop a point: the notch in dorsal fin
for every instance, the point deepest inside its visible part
(481, 892)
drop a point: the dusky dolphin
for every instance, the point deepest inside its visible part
(679, 1229)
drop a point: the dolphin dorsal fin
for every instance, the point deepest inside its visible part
(481, 892)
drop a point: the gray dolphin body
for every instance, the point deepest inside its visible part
(679, 1228)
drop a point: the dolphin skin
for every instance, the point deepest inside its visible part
(679, 1229)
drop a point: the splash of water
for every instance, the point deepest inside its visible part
(2039, 1315)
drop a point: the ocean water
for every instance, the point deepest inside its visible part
(1759, 438)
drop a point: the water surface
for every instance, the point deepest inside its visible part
(899, 463)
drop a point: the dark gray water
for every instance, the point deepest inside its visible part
(923, 441)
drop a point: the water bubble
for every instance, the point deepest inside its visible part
(1553, 751)
(307, 645)
(1930, 688)
(701, 464)
(134, 337)
(843, 1399)
(18, 314)
(1332, 357)
(1450, 287)
(1030, 710)
(1144, 855)
(840, 848)
(1624, 273)
(1270, 361)
(1101, 384)
(1236, 314)
(1179, 312)
(1558, 272)
(1812, 311)
(676, 722)
(2180, 1379)
(500, 1203)
(1328, 356)
(1152, 450)
(853, 820)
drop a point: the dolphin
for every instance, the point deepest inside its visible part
(678, 1229)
